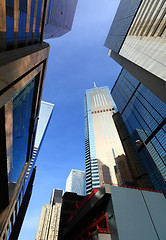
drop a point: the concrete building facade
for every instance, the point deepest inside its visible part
(114, 213)
(136, 40)
(59, 18)
(48, 226)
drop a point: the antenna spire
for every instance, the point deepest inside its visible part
(95, 85)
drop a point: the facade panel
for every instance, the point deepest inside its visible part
(145, 117)
(121, 24)
(48, 226)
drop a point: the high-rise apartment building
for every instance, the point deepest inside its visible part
(59, 18)
(102, 143)
(136, 40)
(50, 216)
(76, 182)
(144, 115)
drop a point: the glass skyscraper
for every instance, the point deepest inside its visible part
(76, 182)
(45, 114)
(102, 142)
(144, 114)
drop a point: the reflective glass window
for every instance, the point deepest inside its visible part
(22, 19)
(38, 15)
(22, 105)
(31, 19)
(9, 20)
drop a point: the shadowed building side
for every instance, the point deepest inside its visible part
(59, 19)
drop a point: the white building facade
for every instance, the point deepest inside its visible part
(76, 182)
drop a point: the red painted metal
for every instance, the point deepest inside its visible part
(81, 205)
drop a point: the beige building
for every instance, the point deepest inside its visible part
(48, 226)
(102, 142)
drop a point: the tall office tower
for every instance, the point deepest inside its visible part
(102, 143)
(45, 114)
(23, 60)
(49, 219)
(76, 182)
(144, 115)
(136, 40)
(59, 19)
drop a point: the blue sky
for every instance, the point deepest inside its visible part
(76, 60)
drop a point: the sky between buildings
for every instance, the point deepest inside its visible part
(76, 60)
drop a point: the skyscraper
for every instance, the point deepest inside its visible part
(136, 40)
(102, 143)
(76, 182)
(45, 114)
(59, 19)
(144, 115)
(23, 70)
(23, 60)
(50, 216)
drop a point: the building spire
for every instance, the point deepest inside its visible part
(95, 85)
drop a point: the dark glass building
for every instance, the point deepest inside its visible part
(23, 60)
(22, 23)
(144, 115)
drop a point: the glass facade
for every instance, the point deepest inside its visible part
(145, 117)
(121, 24)
(92, 180)
(43, 121)
(24, 25)
(76, 182)
(22, 106)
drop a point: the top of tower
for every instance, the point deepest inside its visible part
(95, 85)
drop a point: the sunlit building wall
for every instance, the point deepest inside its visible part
(76, 182)
(48, 226)
(136, 40)
(102, 143)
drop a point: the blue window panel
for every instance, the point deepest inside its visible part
(9, 20)
(132, 80)
(31, 19)
(48, 11)
(121, 24)
(22, 19)
(38, 15)
(22, 106)
(155, 102)
(153, 171)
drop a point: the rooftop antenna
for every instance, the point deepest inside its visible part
(95, 85)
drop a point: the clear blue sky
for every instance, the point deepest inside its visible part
(76, 60)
